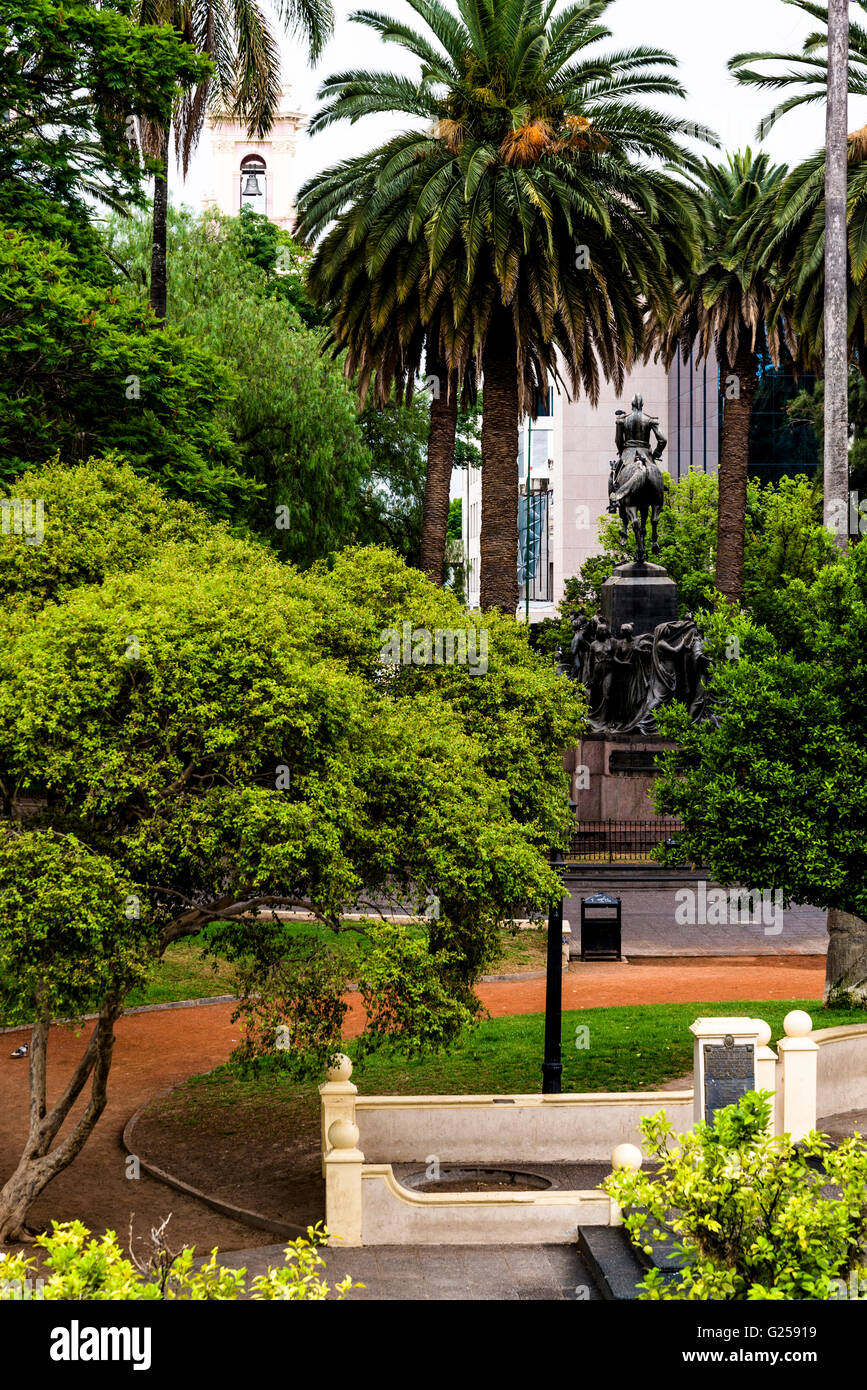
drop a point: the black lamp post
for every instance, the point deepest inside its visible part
(552, 1066)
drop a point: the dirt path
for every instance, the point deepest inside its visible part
(162, 1048)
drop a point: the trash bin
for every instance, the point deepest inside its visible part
(600, 927)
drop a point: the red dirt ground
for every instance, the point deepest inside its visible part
(160, 1049)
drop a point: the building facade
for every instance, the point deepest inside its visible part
(245, 172)
(564, 459)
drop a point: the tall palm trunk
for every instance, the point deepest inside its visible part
(836, 465)
(740, 378)
(500, 420)
(440, 462)
(159, 238)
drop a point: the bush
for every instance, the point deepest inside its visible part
(87, 1268)
(752, 1212)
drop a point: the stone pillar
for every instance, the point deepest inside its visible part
(337, 1099)
(343, 1180)
(624, 1156)
(766, 1068)
(724, 1060)
(798, 1068)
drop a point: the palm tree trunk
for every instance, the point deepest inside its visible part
(740, 382)
(159, 240)
(440, 462)
(836, 461)
(500, 420)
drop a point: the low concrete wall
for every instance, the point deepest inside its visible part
(841, 1083)
(394, 1215)
(575, 1128)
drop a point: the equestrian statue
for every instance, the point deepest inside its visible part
(635, 489)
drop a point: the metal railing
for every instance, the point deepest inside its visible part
(621, 841)
(535, 548)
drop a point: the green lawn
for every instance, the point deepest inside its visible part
(629, 1049)
(183, 974)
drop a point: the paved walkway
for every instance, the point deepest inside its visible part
(651, 926)
(514, 1273)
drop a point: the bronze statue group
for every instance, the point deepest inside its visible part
(628, 678)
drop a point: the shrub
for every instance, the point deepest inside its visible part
(87, 1268)
(753, 1212)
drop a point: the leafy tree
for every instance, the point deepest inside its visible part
(71, 77)
(391, 502)
(725, 308)
(292, 418)
(749, 1214)
(83, 370)
(284, 261)
(241, 78)
(776, 796)
(101, 518)
(526, 147)
(210, 734)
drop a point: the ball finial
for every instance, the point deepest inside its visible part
(343, 1134)
(627, 1156)
(797, 1024)
(340, 1069)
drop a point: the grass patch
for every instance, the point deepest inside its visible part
(184, 974)
(630, 1049)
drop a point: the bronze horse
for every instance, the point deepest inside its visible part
(635, 487)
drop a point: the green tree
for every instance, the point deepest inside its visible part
(725, 308)
(210, 734)
(391, 500)
(292, 418)
(83, 370)
(242, 79)
(72, 76)
(529, 210)
(776, 796)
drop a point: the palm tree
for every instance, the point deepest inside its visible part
(540, 230)
(833, 62)
(725, 305)
(376, 295)
(245, 82)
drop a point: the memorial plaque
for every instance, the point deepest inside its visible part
(729, 1073)
(632, 760)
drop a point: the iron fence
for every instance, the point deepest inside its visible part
(621, 841)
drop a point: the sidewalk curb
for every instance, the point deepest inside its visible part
(239, 1214)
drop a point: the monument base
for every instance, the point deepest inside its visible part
(642, 594)
(612, 777)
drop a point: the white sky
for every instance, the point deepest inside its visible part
(701, 35)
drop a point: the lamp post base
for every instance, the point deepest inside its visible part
(552, 1075)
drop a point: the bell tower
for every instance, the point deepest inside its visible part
(245, 172)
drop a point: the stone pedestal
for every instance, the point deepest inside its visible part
(644, 595)
(612, 777)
